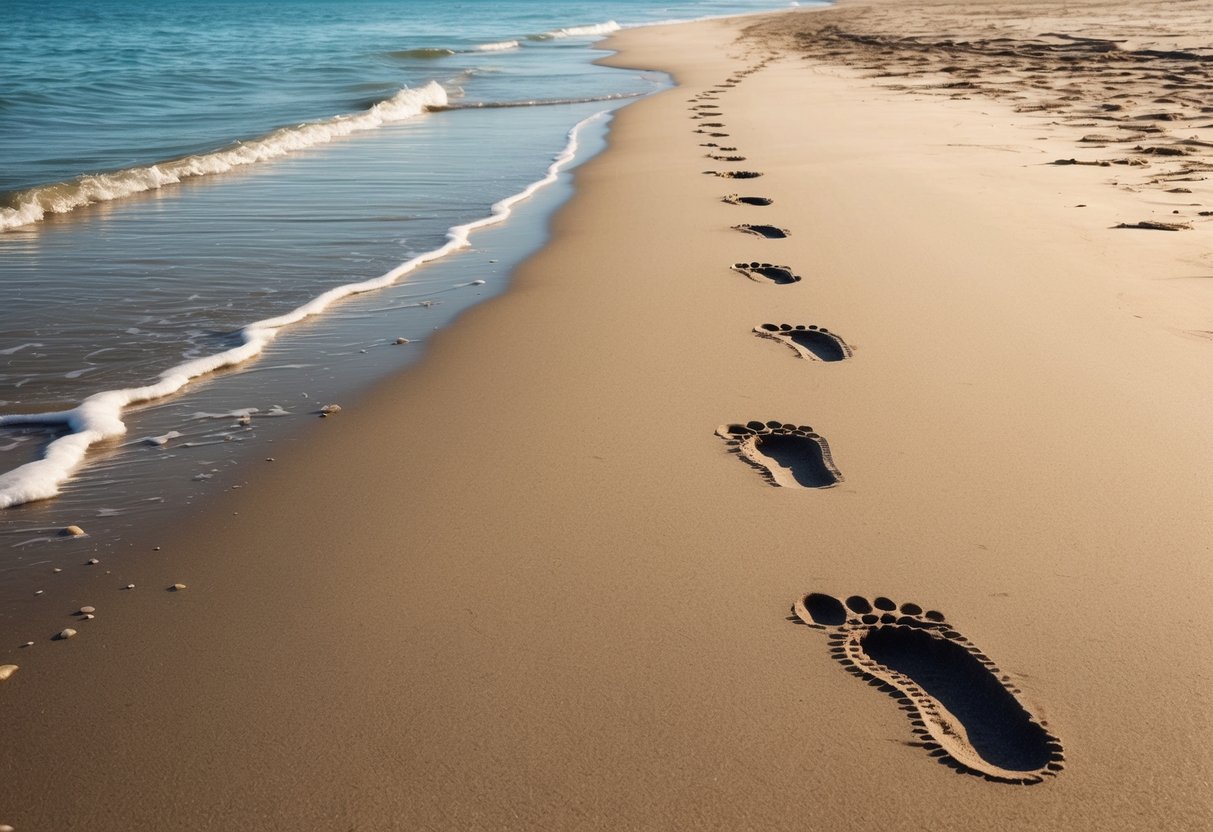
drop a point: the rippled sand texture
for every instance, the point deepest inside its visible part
(1131, 91)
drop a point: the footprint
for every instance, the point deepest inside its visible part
(725, 158)
(776, 274)
(771, 232)
(713, 123)
(812, 342)
(713, 135)
(734, 174)
(963, 709)
(734, 199)
(792, 456)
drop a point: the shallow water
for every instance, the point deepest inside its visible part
(317, 162)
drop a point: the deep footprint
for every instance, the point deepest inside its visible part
(734, 199)
(725, 158)
(781, 275)
(734, 174)
(812, 342)
(963, 709)
(770, 232)
(792, 456)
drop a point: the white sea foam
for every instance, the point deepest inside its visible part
(99, 416)
(18, 348)
(501, 46)
(581, 31)
(34, 204)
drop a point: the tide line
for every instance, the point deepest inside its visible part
(99, 416)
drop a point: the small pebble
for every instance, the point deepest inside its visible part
(89, 617)
(65, 634)
(4, 827)
(87, 610)
(402, 340)
(73, 531)
(330, 408)
(130, 586)
(93, 561)
(269, 459)
(39, 592)
(155, 548)
(177, 587)
(56, 569)
(28, 644)
(6, 671)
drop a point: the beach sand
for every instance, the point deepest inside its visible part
(526, 586)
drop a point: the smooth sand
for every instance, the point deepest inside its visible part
(524, 586)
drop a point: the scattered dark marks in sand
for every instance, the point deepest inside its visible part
(1150, 225)
(963, 710)
(734, 174)
(814, 343)
(769, 232)
(791, 456)
(758, 272)
(1089, 75)
(725, 158)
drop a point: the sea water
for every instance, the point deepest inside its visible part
(215, 215)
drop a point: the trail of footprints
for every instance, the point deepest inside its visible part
(963, 710)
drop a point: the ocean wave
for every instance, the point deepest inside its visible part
(537, 102)
(428, 52)
(500, 46)
(579, 31)
(32, 205)
(99, 416)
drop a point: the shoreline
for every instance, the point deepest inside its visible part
(596, 636)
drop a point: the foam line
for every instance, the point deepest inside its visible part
(579, 31)
(34, 204)
(501, 46)
(99, 416)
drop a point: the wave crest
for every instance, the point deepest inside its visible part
(500, 46)
(32, 205)
(579, 31)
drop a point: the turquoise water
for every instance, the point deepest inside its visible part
(91, 87)
(174, 172)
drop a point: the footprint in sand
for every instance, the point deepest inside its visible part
(962, 708)
(734, 199)
(758, 271)
(726, 158)
(770, 232)
(734, 174)
(792, 456)
(812, 342)
(713, 123)
(713, 135)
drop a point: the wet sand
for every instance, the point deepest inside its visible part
(1014, 436)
